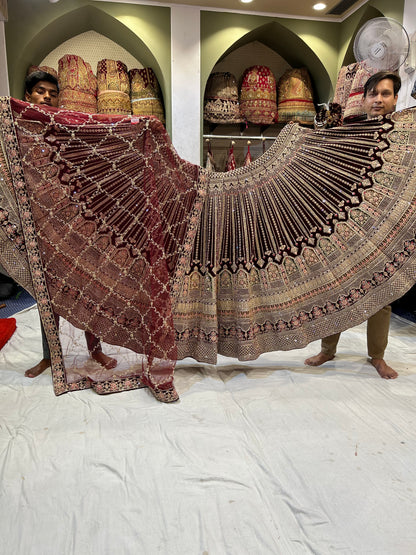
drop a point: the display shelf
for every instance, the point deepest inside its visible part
(220, 137)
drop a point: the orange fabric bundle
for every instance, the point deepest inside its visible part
(47, 69)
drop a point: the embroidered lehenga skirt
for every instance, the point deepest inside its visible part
(77, 84)
(108, 228)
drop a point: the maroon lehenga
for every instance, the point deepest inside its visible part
(108, 228)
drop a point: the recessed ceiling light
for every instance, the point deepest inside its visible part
(246, 1)
(319, 6)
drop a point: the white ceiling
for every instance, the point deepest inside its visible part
(296, 8)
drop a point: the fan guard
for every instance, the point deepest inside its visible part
(382, 44)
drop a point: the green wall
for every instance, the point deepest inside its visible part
(313, 44)
(322, 46)
(36, 28)
(33, 31)
(349, 28)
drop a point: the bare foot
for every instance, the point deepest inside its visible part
(317, 360)
(104, 360)
(384, 369)
(38, 369)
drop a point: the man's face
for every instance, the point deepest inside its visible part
(43, 93)
(381, 100)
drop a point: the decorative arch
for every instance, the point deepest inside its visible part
(72, 24)
(292, 48)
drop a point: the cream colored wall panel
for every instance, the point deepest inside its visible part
(186, 75)
(4, 77)
(252, 54)
(92, 47)
(407, 75)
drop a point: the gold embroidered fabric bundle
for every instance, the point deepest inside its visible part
(146, 97)
(113, 87)
(47, 69)
(295, 100)
(77, 85)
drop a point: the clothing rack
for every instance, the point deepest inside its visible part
(239, 137)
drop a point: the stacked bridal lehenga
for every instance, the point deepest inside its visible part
(77, 84)
(109, 228)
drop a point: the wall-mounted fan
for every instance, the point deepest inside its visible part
(382, 44)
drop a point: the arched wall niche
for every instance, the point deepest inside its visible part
(92, 47)
(123, 30)
(252, 53)
(293, 49)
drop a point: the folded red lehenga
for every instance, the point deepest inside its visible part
(110, 229)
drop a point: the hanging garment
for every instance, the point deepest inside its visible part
(110, 229)
(295, 100)
(230, 164)
(258, 95)
(247, 158)
(113, 87)
(146, 97)
(344, 84)
(210, 163)
(354, 109)
(77, 85)
(221, 99)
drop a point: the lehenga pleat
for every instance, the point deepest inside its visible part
(149, 252)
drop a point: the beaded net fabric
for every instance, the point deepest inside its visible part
(88, 225)
(118, 235)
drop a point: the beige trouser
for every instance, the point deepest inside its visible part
(377, 335)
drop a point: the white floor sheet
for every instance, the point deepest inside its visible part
(266, 457)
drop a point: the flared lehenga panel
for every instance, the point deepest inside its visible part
(311, 239)
(146, 251)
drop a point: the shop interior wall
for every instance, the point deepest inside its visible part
(350, 26)
(92, 47)
(313, 44)
(33, 30)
